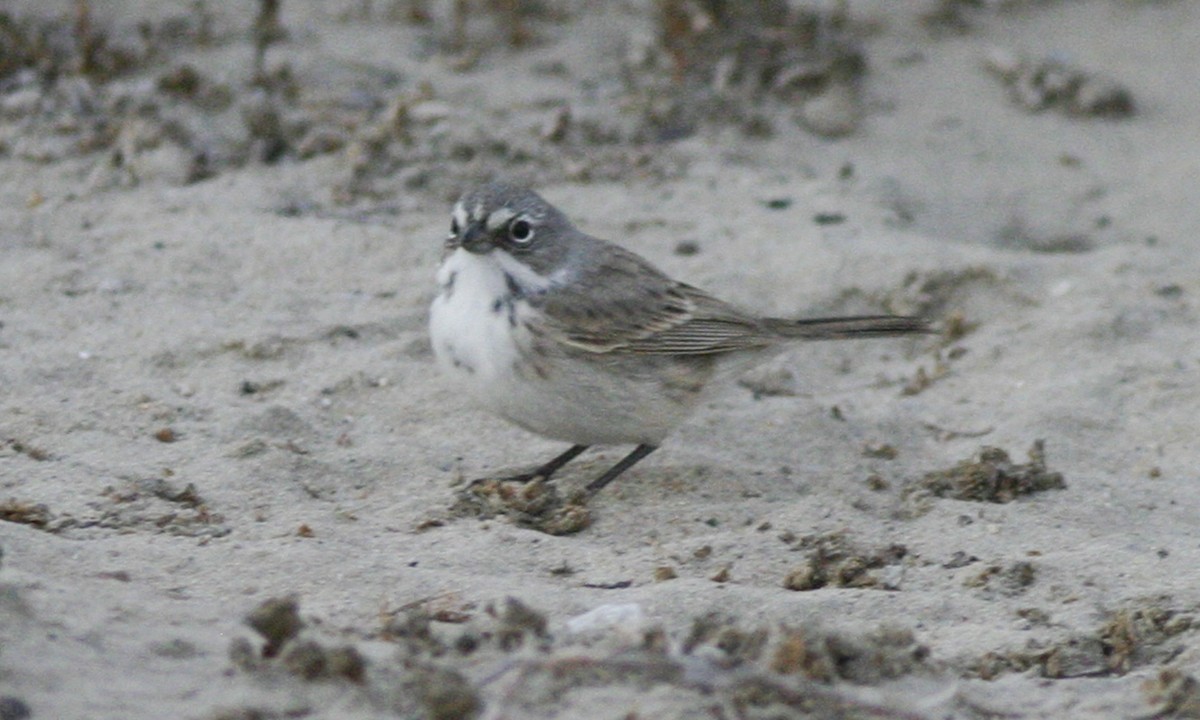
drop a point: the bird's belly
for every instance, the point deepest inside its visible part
(587, 402)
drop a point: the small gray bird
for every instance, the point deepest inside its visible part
(577, 339)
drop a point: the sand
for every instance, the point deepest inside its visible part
(218, 389)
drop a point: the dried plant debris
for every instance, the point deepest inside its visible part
(1138, 636)
(956, 16)
(278, 622)
(511, 626)
(517, 622)
(1009, 580)
(1077, 656)
(21, 447)
(757, 45)
(506, 662)
(511, 19)
(68, 45)
(445, 694)
(412, 628)
(177, 125)
(1049, 83)
(867, 659)
(535, 504)
(719, 60)
(415, 141)
(721, 638)
(474, 27)
(1173, 693)
(726, 661)
(65, 94)
(1127, 639)
(990, 476)
(35, 515)
(67, 89)
(831, 560)
(266, 31)
(150, 504)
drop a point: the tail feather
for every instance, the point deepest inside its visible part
(863, 326)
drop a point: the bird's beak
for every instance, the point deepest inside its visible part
(475, 239)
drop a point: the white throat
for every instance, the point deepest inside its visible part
(491, 270)
(477, 321)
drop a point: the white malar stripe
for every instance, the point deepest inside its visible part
(526, 277)
(460, 216)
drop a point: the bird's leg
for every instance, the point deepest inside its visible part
(546, 471)
(611, 474)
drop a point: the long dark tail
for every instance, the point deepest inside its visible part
(863, 326)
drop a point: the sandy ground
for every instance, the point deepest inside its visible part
(218, 391)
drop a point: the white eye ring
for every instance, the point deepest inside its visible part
(520, 231)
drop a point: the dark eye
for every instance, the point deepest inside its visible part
(453, 226)
(520, 231)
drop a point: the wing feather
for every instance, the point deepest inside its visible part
(624, 304)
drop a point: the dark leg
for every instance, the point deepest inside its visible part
(545, 471)
(630, 460)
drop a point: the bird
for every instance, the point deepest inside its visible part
(580, 340)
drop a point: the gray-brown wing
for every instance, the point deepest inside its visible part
(624, 304)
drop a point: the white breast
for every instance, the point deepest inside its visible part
(474, 323)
